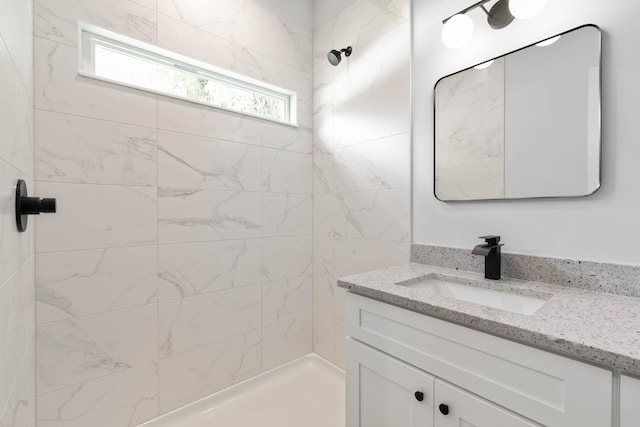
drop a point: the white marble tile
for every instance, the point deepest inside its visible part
(80, 283)
(470, 85)
(471, 150)
(323, 336)
(378, 215)
(287, 341)
(194, 374)
(471, 166)
(286, 214)
(380, 164)
(286, 257)
(286, 299)
(15, 247)
(16, 30)
(291, 78)
(339, 354)
(286, 172)
(17, 320)
(57, 20)
(375, 114)
(286, 42)
(298, 139)
(81, 150)
(125, 398)
(149, 4)
(367, 20)
(354, 256)
(323, 171)
(323, 131)
(96, 216)
(197, 268)
(20, 409)
(323, 41)
(371, 67)
(78, 350)
(220, 52)
(323, 214)
(471, 182)
(235, 20)
(339, 305)
(464, 119)
(188, 161)
(202, 215)
(324, 289)
(59, 88)
(185, 117)
(198, 320)
(323, 93)
(323, 262)
(16, 116)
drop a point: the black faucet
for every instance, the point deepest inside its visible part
(491, 251)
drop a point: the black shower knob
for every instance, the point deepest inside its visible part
(30, 205)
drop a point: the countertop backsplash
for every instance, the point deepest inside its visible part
(612, 278)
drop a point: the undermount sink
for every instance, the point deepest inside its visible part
(478, 292)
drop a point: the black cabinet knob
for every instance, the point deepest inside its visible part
(419, 396)
(444, 409)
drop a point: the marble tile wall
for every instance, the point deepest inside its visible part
(361, 155)
(470, 132)
(180, 260)
(17, 307)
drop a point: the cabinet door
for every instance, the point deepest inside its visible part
(384, 392)
(457, 408)
(629, 402)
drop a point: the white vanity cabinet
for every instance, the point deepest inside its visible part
(629, 401)
(484, 380)
(387, 392)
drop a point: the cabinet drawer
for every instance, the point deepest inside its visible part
(549, 389)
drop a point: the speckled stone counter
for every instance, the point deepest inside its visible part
(598, 327)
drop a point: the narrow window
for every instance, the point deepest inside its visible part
(108, 56)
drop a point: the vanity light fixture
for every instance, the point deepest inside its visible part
(458, 28)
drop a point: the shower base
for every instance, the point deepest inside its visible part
(307, 392)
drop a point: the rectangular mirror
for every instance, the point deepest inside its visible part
(524, 125)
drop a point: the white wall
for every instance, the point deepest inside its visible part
(17, 314)
(602, 227)
(361, 154)
(179, 262)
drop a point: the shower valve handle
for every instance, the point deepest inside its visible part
(30, 205)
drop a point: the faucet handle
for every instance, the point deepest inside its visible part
(491, 240)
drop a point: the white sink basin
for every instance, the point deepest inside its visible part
(477, 293)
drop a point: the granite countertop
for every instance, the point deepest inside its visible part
(594, 326)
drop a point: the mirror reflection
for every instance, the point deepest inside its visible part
(523, 125)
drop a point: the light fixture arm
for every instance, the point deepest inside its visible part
(469, 9)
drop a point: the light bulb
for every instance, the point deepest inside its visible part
(484, 65)
(457, 31)
(525, 9)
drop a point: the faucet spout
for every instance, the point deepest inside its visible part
(483, 250)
